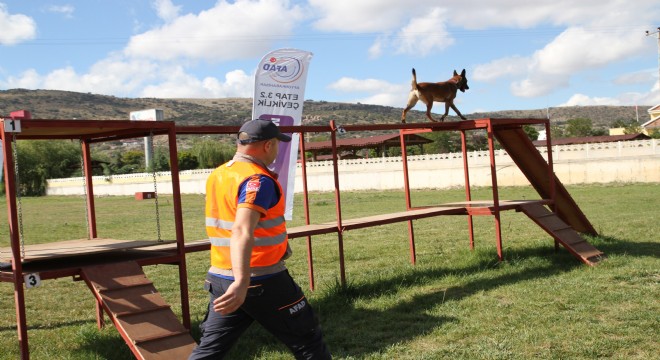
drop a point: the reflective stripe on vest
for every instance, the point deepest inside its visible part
(258, 241)
(226, 225)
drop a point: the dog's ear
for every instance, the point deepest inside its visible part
(455, 73)
(462, 73)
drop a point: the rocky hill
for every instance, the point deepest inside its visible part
(54, 104)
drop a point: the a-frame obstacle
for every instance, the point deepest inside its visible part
(564, 220)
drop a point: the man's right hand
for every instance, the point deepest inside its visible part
(232, 299)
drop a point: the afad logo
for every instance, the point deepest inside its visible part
(283, 70)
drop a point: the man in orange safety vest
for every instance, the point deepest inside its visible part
(248, 279)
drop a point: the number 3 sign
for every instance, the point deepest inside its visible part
(32, 280)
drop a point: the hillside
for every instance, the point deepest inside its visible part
(54, 104)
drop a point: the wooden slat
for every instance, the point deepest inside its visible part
(133, 300)
(75, 248)
(116, 276)
(150, 325)
(169, 348)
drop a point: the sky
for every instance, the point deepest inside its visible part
(518, 54)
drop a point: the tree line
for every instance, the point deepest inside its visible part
(39, 160)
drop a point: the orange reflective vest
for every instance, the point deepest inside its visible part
(221, 203)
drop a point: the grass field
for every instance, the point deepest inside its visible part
(454, 304)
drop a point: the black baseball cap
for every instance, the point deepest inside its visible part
(259, 130)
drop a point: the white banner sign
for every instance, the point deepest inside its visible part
(279, 94)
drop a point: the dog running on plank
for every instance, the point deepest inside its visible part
(444, 91)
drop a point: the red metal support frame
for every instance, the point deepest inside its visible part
(310, 258)
(496, 199)
(340, 227)
(468, 194)
(178, 225)
(91, 209)
(406, 185)
(14, 235)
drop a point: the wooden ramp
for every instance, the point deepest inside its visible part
(523, 152)
(563, 233)
(140, 314)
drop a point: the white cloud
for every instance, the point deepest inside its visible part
(385, 99)
(369, 16)
(538, 84)
(362, 16)
(29, 79)
(377, 48)
(584, 100)
(381, 92)
(15, 28)
(424, 35)
(638, 77)
(652, 97)
(501, 67)
(166, 10)
(66, 10)
(136, 78)
(573, 51)
(227, 31)
(181, 85)
(347, 84)
(577, 49)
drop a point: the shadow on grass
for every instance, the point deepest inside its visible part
(614, 246)
(353, 330)
(46, 326)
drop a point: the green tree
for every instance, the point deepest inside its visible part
(211, 153)
(531, 132)
(620, 123)
(443, 142)
(633, 128)
(556, 131)
(578, 127)
(127, 162)
(187, 161)
(654, 134)
(42, 160)
(161, 160)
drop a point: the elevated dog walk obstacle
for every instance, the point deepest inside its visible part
(140, 314)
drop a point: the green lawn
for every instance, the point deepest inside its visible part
(454, 304)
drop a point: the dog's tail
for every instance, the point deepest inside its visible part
(414, 80)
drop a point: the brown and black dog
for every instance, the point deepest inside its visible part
(441, 91)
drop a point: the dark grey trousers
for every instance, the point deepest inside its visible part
(277, 303)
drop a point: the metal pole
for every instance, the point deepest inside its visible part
(648, 33)
(303, 163)
(406, 184)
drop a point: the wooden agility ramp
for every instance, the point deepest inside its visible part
(567, 219)
(563, 233)
(140, 314)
